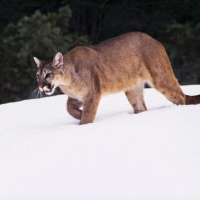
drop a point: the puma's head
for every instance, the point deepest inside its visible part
(49, 74)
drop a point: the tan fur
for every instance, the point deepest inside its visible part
(123, 63)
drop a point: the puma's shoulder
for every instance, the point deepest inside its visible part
(81, 52)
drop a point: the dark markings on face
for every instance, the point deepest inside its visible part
(45, 74)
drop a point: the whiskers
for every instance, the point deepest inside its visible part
(57, 92)
(37, 93)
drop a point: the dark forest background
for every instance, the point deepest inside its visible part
(41, 28)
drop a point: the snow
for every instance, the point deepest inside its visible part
(154, 155)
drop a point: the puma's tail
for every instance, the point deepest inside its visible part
(192, 99)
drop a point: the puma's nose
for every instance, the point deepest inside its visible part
(40, 86)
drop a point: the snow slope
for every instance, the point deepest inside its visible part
(154, 155)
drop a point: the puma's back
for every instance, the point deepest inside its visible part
(123, 63)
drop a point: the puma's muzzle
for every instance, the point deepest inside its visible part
(48, 89)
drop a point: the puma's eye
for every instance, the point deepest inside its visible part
(48, 75)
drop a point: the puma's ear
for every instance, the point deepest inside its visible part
(37, 61)
(58, 60)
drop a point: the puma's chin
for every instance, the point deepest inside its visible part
(49, 93)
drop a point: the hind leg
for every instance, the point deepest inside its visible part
(170, 88)
(162, 76)
(136, 99)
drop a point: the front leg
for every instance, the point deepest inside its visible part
(73, 106)
(90, 106)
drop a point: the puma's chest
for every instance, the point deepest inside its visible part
(74, 92)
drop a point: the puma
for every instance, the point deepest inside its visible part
(124, 63)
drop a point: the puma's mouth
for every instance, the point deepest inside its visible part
(50, 90)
